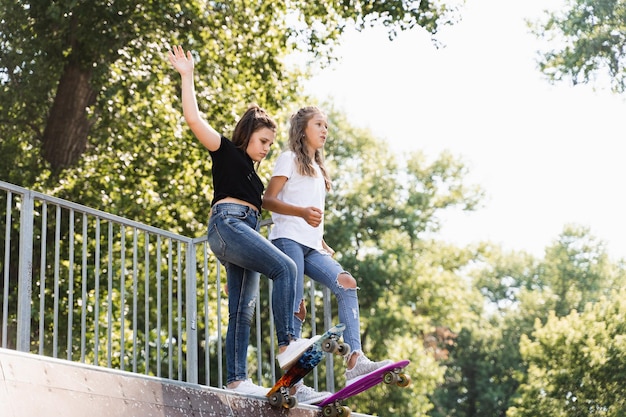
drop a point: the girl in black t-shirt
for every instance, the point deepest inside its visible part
(233, 229)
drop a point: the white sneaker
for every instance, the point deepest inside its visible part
(293, 352)
(307, 395)
(249, 388)
(362, 367)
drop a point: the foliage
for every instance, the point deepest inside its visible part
(480, 375)
(486, 365)
(64, 63)
(577, 270)
(592, 34)
(576, 363)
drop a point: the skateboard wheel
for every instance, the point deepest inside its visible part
(291, 402)
(344, 349)
(390, 378)
(403, 380)
(276, 400)
(328, 411)
(344, 411)
(330, 345)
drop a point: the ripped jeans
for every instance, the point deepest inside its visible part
(234, 239)
(322, 268)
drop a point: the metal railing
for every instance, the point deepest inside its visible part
(89, 286)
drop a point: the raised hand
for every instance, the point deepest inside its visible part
(183, 63)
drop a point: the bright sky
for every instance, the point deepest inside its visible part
(546, 155)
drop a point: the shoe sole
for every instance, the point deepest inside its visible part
(294, 358)
(315, 400)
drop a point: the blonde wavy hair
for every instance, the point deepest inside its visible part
(297, 145)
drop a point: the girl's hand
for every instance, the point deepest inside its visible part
(183, 63)
(328, 249)
(312, 215)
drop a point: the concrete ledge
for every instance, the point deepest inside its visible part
(38, 386)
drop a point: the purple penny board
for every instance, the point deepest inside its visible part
(363, 384)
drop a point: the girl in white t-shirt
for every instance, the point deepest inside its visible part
(296, 195)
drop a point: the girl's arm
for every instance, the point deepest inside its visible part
(183, 63)
(271, 202)
(327, 248)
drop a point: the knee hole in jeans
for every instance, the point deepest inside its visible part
(345, 280)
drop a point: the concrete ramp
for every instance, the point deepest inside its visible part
(37, 386)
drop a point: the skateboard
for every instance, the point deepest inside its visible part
(390, 374)
(278, 395)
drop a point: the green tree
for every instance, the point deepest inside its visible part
(484, 361)
(480, 375)
(577, 270)
(576, 363)
(589, 36)
(486, 366)
(59, 57)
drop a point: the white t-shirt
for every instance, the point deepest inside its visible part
(302, 191)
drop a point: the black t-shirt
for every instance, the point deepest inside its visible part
(234, 175)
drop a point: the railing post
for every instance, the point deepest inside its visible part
(25, 272)
(330, 373)
(191, 304)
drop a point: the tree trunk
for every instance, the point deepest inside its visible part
(67, 127)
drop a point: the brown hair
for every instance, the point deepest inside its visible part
(253, 119)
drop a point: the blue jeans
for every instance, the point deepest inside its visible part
(234, 239)
(322, 268)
